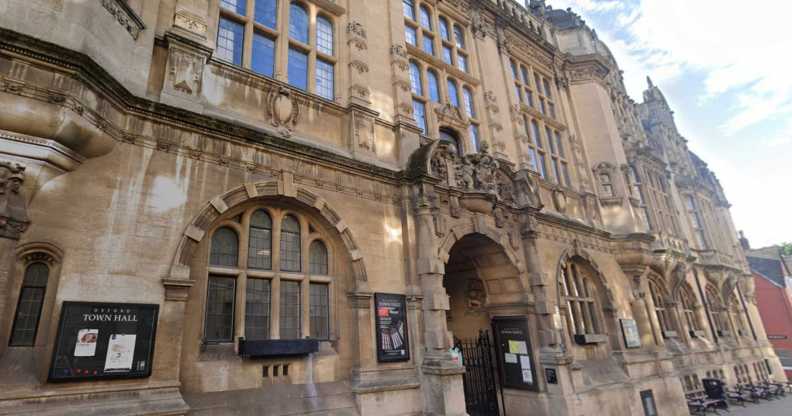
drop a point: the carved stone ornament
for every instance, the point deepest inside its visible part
(190, 22)
(185, 71)
(13, 208)
(357, 35)
(124, 16)
(560, 201)
(399, 57)
(283, 110)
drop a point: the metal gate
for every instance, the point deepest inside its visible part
(482, 391)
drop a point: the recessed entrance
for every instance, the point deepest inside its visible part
(478, 276)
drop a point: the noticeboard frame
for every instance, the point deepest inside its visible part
(401, 304)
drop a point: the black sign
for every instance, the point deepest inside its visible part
(391, 325)
(104, 340)
(551, 376)
(514, 353)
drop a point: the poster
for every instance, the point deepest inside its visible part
(391, 327)
(632, 339)
(513, 345)
(104, 340)
(86, 343)
(120, 351)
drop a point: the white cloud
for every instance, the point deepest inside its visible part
(739, 48)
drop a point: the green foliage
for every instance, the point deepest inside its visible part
(786, 249)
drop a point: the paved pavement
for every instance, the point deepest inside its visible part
(778, 407)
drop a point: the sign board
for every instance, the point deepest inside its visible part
(648, 401)
(513, 349)
(632, 338)
(104, 340)
(551, 376)
(391, 325)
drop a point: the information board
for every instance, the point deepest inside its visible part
(632, 338)
(391, 325)
(104, 340)
(513, 347)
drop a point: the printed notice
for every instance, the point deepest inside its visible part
(86, 343)
(120, 352)
(510, 358)
(525, 365)
(518, 347)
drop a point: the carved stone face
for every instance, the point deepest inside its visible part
(14, 184)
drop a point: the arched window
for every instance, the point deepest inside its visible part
(718, 311)
(415, 79)
(578, 294)
(260, 241)
(409, 9)
(318, 257)
(426, 18)
(298, 22)
(453, 93)
(266, 13)
(450, 137)
(434, 88)
(290, 245)
(31, 300)
(459, 36)
(470, 107)
(324, 35)
(304, 291)
(225, 248)
(688, 308)
(661, 312)
(444, 29)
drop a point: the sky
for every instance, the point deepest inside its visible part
(725, 67)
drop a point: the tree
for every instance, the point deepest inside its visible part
(786, 249)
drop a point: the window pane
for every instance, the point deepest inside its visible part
(225, 248)
(236, 6)
(514, 71)
(462, 62)
(324, 36)
(434, 90)
(565, 168)
(459, 36)
(318, 258)
(559, 144)
(444, 28)
(453, 94)
(428, 44)
(258, 300)
(325, 85)
(290, 245)
(36, 275)
(525, 77)
(447, 55)
(31, 299)
(409, 9)
(298, 69)
(267, 13)
(556, 170)
(546, 86)
(290, 315)
(550, 141)
(542, 164)
(469, 107)
(230, 36)
(419, 114)
(320, 310)
(415, 79)
(260, 241)
(529, 97)
(298, 22)
(518, 92)
(535, 135)
(220, 309)
(410, 36)
(474, 136)
(426, 19)
(263, 55)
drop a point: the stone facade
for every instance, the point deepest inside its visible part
(480, 158)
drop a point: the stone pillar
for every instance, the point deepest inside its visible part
(13, 222)
(442, 376)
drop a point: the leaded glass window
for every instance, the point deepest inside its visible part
(324, 35)
(31, 300)
(579, 295)
(290, 245)
(230, 37)
(426, 18)
(325, 80)
(453, 93)
(220, 296)
(263, 55)
(225, 248)
(298, 69)
(258, 301)
(290, 315)
(266, 13)
(298, 22)
(434, 89)
(320, 310)
(318, 258)
(415, 79)
(260, 241)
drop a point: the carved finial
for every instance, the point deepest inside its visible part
(649, 81)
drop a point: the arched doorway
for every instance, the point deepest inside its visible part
(479, 276)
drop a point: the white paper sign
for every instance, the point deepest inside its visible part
(518, 347)
(525, 365)
(86, 343)
(120, 352)
(510, 358)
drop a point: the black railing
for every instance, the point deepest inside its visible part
(480, 379)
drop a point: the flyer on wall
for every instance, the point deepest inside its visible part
(120, 352)
(86, 343)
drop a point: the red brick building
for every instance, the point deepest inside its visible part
(773, 281)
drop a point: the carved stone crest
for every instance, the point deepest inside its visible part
(283, 110)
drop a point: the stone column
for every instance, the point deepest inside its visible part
(442, 376)
(13, 222)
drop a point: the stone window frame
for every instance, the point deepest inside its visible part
(284, 43)
(662, 310)
(696, 220)
(27, 254)
(537, 155)
(558, 159)
(582, 312)
(637, 192)
(440, 43)
(688, 303)
(737, 314)
(310, 232)
(720, 316)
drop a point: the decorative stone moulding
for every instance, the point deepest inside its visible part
(13, 208)
(190, 22)
(125, 16)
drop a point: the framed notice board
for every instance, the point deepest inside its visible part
(391, 325)
(632, 338)
(104, 340)
(513, 348)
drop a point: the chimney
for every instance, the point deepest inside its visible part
(746, 245)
